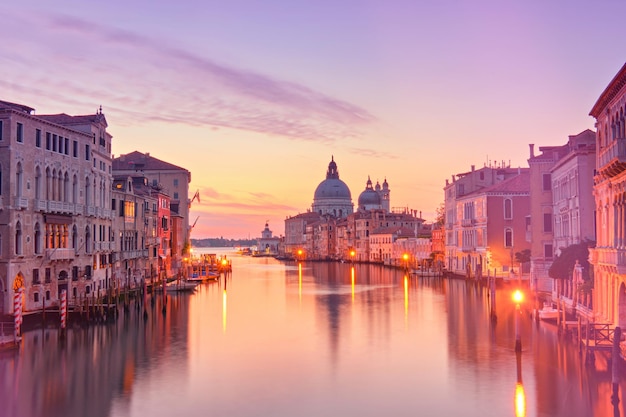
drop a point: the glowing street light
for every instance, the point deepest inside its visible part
(352, 255)
(406, 260)
(518, 297)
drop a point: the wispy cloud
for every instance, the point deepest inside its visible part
(373, 153)
(249, 203)
(139, 79)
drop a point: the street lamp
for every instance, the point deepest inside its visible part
(518, 297)
(299, 254)
(352, 254)
(406, 261)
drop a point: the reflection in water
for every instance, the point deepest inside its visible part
(308, 340)
(224, 308)
(352, 281)
(300, 282)
(520, 397)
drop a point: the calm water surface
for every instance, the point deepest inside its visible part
(319, 339)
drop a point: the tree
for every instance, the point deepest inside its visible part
(523, 256)
(563, 265)
(441, 215)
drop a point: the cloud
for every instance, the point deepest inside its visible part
(373, 153)
(249, 203)
(140, 79)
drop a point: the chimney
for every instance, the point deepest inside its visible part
(473, 168)
(532, 150)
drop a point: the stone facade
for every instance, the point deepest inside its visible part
(55, 217)
(609, 256)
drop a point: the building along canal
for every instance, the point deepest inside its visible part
(309, 339)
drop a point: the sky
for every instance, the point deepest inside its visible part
(255, 97)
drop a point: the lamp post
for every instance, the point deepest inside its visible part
(406, 261)
(352, 254)
(518, 297)
(299, 254)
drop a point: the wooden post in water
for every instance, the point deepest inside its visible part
(615, 358)
(492, 288)
(580, 340)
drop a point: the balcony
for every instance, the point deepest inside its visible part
(60, 207)
(134, 254)
(468, 222)
(102, 246)
(90, 211)
(21, 202)
(79, 209)
(612, 159)
(60, 254)
(609, 257)
(41, 205)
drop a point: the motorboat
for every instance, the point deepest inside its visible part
(548, 312)
(182, 285)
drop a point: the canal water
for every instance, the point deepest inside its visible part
(310, 339)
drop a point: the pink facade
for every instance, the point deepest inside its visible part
(486, 225)
(609, 256)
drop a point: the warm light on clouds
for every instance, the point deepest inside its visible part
(254, 104)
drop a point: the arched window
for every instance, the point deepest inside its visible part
(74, 237)
(508, 209)
(37, 239)
(37, 183)
(87, 192)
(48, 184)
(19, 174)
(66, 188)
(75, 190)
(508, 238)
(18, 238)
(87, 240)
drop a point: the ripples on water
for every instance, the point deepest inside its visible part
(317, 339)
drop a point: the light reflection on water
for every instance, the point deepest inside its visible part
(331, 339)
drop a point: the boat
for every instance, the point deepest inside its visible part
(548, 312)
(207, 267)
(182, 285)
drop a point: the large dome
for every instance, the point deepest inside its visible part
(332, 188)
(332, 196)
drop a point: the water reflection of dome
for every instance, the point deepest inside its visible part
(369, 198)
(332, 196)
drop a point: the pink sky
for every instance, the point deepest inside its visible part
(254, 97)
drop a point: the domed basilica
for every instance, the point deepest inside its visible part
(332, 196)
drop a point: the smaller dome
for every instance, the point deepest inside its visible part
(377, 188)
(369, 198)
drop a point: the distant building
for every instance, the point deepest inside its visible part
(486, 212)
(333, 231)
(268, 244)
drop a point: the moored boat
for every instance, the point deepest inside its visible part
(548, 312)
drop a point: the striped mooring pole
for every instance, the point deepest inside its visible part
(17, 312)
(63, 309)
